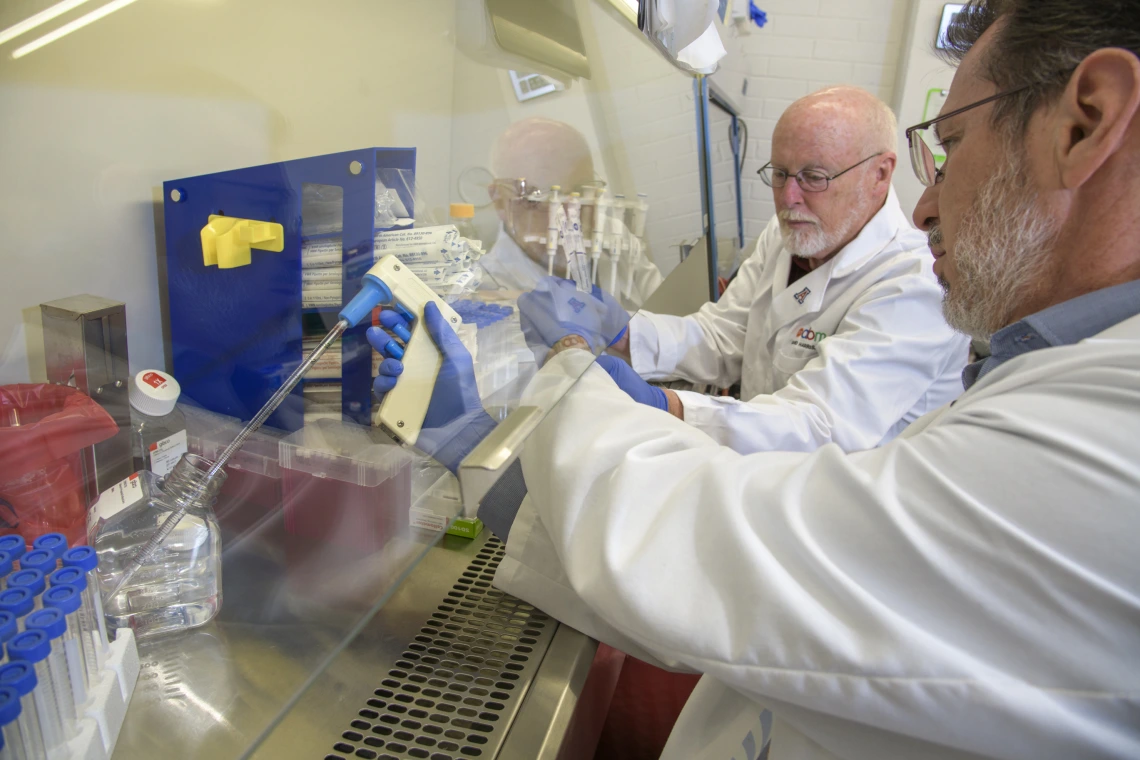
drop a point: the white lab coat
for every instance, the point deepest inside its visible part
(509, 268)
(970, 589)
(887, 357)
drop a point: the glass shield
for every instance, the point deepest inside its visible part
(199, 187)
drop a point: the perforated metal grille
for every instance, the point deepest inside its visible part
(453, 691)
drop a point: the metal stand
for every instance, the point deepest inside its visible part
(704, 156)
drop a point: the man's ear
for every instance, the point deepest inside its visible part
(1095, 113)
(884, 170)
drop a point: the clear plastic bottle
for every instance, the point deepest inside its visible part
(158, 428)
(461, 216)
(180, 586)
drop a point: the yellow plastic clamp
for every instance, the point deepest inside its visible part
(226, 240)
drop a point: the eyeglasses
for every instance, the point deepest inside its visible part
(809, 180)
(521, 190)
(927, 164)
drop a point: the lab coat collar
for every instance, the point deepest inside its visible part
(806, 294)
(510, 266)
(876, 235)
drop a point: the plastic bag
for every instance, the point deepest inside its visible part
(43, 431)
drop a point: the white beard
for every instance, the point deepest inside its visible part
(1004, 247)
(816, 242)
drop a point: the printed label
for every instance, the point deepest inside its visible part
(114, 500)
(327, 275)
(154, 380)
(444, 234)
(426, 519)
(165, 454)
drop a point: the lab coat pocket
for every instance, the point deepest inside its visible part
(791, 358)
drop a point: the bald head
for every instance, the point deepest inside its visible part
(847, 137)
(543, 151)
(847, 117)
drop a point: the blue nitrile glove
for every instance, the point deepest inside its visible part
(455, 422)
(631, 382)
(556, 308)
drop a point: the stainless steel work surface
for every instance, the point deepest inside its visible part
(441, 670)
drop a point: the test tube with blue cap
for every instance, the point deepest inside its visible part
(68, 601)
(84, 560)
(11, 728)
(5, 569)
(39, 559)
(8, 629)
(17, 601)
(53, 623)
(33, 581)
(14, 545)
(34, 648)
(53, 543)
(26, 733)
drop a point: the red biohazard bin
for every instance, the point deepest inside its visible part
(43, 431)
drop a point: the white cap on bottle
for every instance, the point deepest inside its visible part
(154, 393)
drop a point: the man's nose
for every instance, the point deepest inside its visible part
(791, 193)
(926, 212)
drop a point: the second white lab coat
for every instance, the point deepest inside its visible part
(851, 353)
(509, 267)
(968, 590)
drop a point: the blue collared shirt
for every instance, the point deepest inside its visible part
(1062, 324)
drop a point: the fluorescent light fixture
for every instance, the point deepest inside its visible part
(627, 8)
(70, 27)
(42, 17)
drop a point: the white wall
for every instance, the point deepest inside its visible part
(92, 124)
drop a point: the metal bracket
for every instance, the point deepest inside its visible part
(480, 469)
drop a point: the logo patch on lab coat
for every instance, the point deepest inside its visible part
(802, 296)
(806, 337)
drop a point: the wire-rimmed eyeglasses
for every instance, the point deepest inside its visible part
(809, 180)
(927, 164)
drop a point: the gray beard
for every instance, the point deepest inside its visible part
(1004, 248)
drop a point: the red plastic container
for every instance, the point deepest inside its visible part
(343, 486)
(43, 431)
(252, 491)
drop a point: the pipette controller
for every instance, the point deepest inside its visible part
(387, 282)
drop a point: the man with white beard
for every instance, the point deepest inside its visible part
(833, 327)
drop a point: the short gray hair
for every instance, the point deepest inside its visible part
(1040, 44)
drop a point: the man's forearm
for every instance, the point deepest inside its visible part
(676, 408)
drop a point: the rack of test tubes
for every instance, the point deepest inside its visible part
(64, 688)
(261, 259)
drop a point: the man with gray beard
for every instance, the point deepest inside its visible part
(833, 326)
